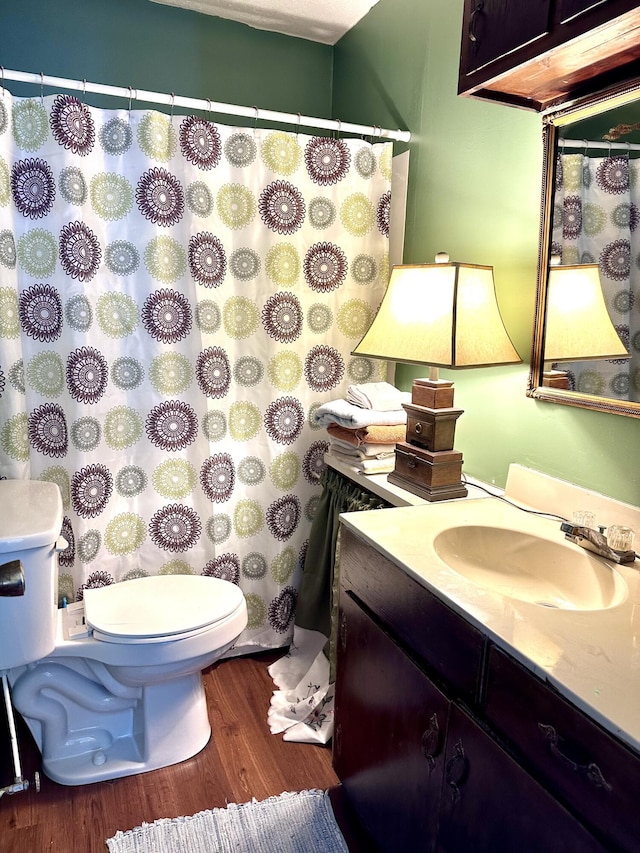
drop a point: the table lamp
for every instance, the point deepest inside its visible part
(577, 323)
(443, 315)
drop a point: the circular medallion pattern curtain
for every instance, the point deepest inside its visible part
(176, 297)
(595, 220)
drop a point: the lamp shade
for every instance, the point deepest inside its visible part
(577, 323)
(442, 314)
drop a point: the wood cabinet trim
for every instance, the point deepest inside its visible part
(596, 48)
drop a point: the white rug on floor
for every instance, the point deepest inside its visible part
(291, 823)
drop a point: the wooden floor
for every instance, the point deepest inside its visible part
(242, 760)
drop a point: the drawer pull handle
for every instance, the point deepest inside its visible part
(457, 770)
(412, 461)
(594, 775)
(590, 770)
(431, 743)
(472, 20)
(418, 429)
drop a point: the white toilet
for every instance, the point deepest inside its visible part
(112, 686)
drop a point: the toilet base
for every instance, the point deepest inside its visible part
(155, 726)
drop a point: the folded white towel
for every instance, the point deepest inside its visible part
(376, 395)
(353, 417)
(366, 466)
(362, 451)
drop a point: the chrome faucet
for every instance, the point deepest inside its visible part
(596, 541)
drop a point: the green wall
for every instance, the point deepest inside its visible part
(475, 173)
(164, 49)
(475, 179)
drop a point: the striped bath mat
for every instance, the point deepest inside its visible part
(291, 823)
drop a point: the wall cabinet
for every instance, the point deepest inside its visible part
(428, 764)
(539, 53)
(495, 28)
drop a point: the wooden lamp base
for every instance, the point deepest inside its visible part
(426, 463)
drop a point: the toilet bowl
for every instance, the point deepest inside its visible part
(117, 687)
(121, 692)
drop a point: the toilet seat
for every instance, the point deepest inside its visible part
(159, 608)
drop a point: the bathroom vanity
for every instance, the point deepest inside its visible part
(468, 719)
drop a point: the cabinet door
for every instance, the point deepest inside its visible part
(390, 727)
(494, 28)
(583, 765)
(490, 804)
(570, 9)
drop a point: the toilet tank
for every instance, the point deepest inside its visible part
(30, 523)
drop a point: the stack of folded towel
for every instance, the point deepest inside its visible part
(364, 428)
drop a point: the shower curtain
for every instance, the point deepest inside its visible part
(176, 297)
(595, 220)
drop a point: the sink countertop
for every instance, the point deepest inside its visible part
(592, 657)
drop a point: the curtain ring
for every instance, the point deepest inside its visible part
(41, 89)
(130, 97)
(339, 130)
(173, 101)
(84, 90)
(585, 152)
(2, 69)
(255, 120)
(299, 123)
(209, 107)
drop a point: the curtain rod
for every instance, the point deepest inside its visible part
(604, 145)
(172, 100)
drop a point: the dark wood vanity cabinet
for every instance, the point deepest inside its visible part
(581, 763)
(490, 803)
(540, 53)
(389, 738)
(436, 752)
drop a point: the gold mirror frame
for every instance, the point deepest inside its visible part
(551, 121)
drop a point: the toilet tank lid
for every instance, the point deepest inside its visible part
(30, 514)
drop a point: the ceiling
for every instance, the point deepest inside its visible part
(323, 21)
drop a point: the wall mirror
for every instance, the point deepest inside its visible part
(590, 221)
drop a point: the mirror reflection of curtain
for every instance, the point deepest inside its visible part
(176, 296)
(595, 220)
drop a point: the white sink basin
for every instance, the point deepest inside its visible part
(530, 568)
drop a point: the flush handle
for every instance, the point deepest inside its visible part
(12, 579)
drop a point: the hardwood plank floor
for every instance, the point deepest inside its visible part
(241, 761)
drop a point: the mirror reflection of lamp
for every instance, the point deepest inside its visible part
(443, 315)
(577, 325)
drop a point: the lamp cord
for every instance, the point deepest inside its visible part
(511, 503)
